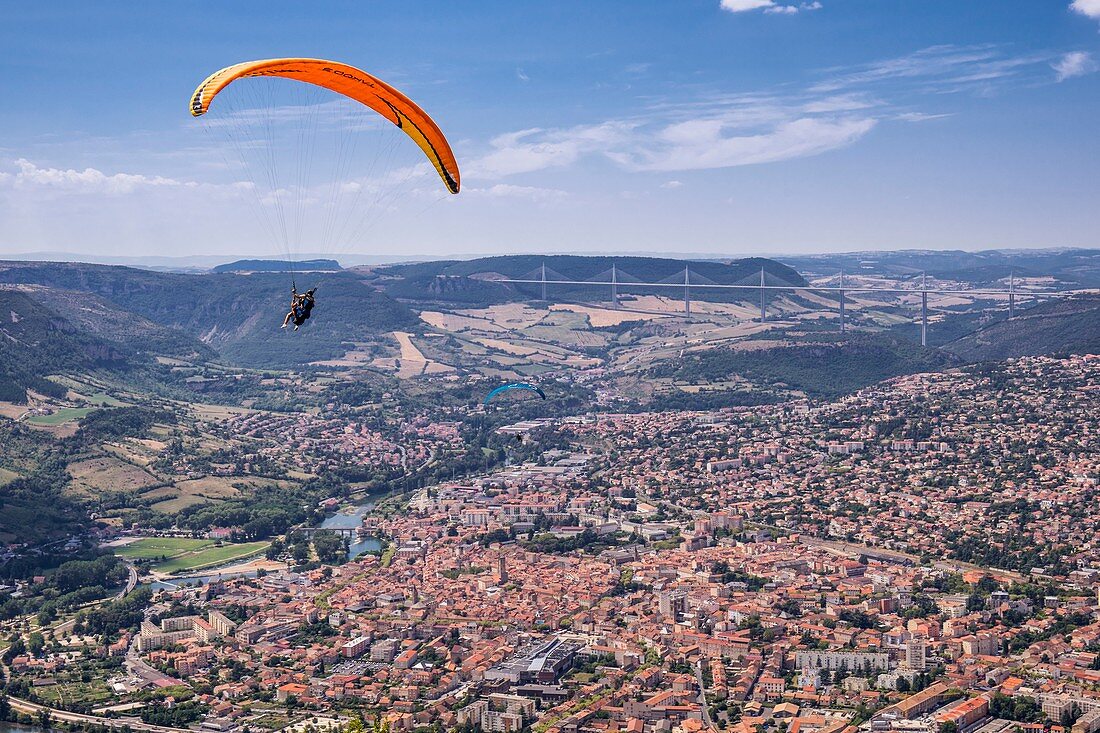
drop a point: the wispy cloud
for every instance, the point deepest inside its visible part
(713, 144)
(919, 116)
(522, 75)
(723, 130)
(937, 69)
(509, 191)
(1075, 63)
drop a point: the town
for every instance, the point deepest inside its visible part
(891, 561)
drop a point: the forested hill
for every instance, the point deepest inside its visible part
(472, 281)
(304, 266)
(1070, 326)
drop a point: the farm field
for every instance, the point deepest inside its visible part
(94, 692)
(61, 416)
(108, 473)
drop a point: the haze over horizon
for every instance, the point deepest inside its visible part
(716, 127)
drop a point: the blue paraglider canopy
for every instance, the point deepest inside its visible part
(516, 385)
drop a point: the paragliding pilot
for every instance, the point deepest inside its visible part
(301, 305)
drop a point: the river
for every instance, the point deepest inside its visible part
(353, 517)
(18, 728)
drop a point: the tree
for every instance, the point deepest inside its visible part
(16, 647)
(36, 643)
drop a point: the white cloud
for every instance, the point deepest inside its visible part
(521, 75)
(89, 180)
(740, 6)
(768, 6)
(1075, 63)
(1089, 8)
(672, 184)
(537, 149)
(792, 9)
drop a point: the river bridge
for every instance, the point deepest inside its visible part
(352, 532)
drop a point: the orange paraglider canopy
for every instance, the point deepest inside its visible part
(350, 82)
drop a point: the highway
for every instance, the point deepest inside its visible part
(131, 581)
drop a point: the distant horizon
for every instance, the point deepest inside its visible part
(205, 261)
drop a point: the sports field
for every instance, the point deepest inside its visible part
(150, 547)
(183, 554)
(210, 557)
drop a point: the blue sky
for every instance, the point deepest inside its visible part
(724, 127)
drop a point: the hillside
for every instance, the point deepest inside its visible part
(237, 315)
(36, 342)
(1058, 326)
(103, 319)
(819, 368)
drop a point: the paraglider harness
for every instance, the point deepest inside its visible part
(301, 305)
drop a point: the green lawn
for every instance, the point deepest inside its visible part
(150, 547)
(63, 415)
(210, 556)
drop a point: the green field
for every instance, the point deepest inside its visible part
(102, 399)
(152, 547)
(184, 554)
(210, 556)
(63, 415)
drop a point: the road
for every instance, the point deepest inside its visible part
(702, 693)
(131, 581)
(34, 709)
